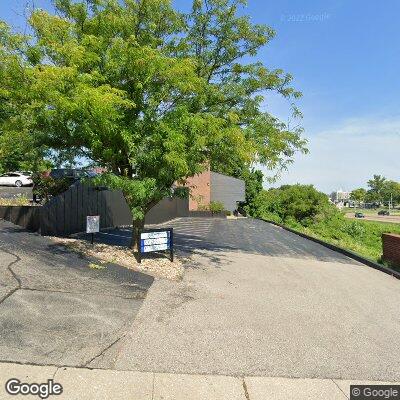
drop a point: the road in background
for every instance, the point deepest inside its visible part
(378, 218)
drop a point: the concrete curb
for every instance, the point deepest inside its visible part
(341, 250)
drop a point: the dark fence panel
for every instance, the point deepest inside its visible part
(26, 216)
(66, 213)
(167, 209)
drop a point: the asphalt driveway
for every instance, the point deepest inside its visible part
(257, 300)
(54, 309)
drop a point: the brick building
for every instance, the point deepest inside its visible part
(391, 248)
(212, 186)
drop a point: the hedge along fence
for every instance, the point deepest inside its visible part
(66, 213)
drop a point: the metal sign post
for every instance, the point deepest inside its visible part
(92, 225)
(154, 240)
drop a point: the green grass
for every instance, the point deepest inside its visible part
(15, 201)
(361, 237)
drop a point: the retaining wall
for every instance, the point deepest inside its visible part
(391, 248)
(26, 216)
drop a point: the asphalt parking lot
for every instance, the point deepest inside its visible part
(257, 300)
(54, 309)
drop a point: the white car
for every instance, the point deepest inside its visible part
(17, 179)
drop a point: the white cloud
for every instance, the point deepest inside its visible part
(346, 156)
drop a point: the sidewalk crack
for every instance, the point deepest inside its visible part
(152, 391)
(14, 275)
(246, 392)
(340, 389)
(104, 350)
(55, 373)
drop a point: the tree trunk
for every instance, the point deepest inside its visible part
(137, 226)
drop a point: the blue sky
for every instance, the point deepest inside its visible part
(344, 56)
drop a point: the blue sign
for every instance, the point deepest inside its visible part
(156, 240)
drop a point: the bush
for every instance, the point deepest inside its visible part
(45, 187)
(301, 204)
(216, 207)
(306, 210)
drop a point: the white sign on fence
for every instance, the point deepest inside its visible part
(92, 223)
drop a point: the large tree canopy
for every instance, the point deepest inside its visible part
(151, 93)
(19, 148)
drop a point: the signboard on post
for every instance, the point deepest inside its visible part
(92, 224)
(152, 240)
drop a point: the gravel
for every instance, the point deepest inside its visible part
(154, 265)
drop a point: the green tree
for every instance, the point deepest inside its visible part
(254, 185)
(301, 204)
(18, 150)
(219, 37)
(391, 192)
(358, 195)
(376, 185)
(155, 95)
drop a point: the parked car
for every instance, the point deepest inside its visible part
(383, 212)
(359, 215)
(27, 173)
(17, 179)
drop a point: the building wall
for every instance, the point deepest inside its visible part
(200, 194)
(391, 248)
(227, 190)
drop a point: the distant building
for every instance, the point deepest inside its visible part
(340, 196)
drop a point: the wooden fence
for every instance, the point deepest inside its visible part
(66, 213)
(26, 216)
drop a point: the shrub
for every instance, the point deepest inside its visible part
(45, 187)
(297, 203)
(216, 207)
(306, 210)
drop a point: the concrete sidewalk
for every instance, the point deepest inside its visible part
(92, 384)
